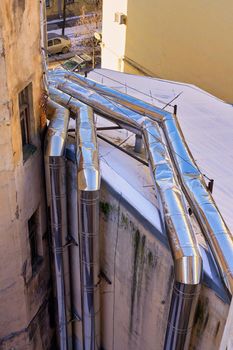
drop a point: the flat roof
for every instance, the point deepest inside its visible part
(206, 121)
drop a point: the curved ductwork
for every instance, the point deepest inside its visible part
(193, 184)
(186, 256)
(187, 260)
(88, 185)
(56, 201)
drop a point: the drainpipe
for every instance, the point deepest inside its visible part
(187, 260)
(56, 201)
(191, 180)
(88, 186)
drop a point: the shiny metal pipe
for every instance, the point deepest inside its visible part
(187, 260)
(123, 116)
(75, 260)
(213, 226)
(56, 200)
(181, 316)
(201, 202)
(184, 247)
(88, 182)
(129, 101)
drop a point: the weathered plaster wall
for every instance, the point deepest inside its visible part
(24, 296)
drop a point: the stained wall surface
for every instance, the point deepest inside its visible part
(24, 293)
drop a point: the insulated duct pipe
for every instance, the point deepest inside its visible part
(56, 200)
(88, 210)
(187, 260)
(88, 185)
(193, 184)
(123, 116)
(186, 256)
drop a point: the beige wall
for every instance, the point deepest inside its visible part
(187, 41)
(23, 295)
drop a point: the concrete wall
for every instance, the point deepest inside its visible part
(137, 262)
(182, 41)
(24, 294)
(135, 306)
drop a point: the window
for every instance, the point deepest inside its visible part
(33, 239)
(69, 1)
(50, 43)
(48, 3)
(26, 120)
(57, 41)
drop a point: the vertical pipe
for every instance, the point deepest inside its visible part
(56, 201)
(181, 316)
(58, 226)
(75, 264)
(85, 232)
(89, 240)
(88, 183)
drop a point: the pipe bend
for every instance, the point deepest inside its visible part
(188, 268)
(57, 130)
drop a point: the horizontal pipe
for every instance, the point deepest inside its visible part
(127, 119)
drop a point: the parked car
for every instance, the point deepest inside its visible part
(78, 63)
(58, 43)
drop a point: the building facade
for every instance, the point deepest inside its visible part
(25, 285)
(181, 42)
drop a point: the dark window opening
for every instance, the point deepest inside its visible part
(26, 120)
(47, 3)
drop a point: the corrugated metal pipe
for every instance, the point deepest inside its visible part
(56, 201)
(88, 185)
(187, 260)
(213, 226)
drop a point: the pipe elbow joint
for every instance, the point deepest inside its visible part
(188, 269)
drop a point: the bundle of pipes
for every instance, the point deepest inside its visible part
(141, 118)
(191, 180)
(88, 184)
